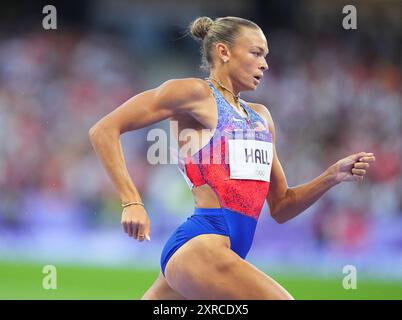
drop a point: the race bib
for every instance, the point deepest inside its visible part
(250, 158)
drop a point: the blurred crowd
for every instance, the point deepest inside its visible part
(53, 88)
(328, 100)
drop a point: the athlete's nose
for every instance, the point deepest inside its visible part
(264, 66)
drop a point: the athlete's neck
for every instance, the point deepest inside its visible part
(226, 87)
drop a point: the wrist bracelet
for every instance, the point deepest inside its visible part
(124, 205)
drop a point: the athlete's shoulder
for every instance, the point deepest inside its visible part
(187, 88)
(263, 111)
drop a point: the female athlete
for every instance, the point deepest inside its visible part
(231, 170)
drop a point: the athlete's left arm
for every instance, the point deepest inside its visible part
(286, 203)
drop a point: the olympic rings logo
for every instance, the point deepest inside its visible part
(260, 173)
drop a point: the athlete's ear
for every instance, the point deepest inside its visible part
(222, 52)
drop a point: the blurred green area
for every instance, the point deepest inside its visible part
(24, 281)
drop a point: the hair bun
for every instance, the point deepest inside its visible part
(200, 26)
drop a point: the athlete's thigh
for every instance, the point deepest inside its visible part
(204, 268)
(160, 290)
(252, 283)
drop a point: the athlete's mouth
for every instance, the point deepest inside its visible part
(257, 79)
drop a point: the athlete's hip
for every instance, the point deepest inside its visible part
(239, 227)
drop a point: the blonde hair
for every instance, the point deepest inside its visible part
(211, 32)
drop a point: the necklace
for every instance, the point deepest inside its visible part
(236, 97)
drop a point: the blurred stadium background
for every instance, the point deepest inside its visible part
(331, 92)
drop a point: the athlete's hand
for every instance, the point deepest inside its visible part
(352, 168)
(136, 223)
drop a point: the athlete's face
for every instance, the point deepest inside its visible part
(247, 59)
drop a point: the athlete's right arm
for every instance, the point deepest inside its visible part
(172, 98)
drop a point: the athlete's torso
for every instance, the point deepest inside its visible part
(235, 161)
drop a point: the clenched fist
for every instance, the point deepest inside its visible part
(136, 223)
(352, 168)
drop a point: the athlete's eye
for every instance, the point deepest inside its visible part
(257, 54)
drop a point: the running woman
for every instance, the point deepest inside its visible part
(233, 170)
